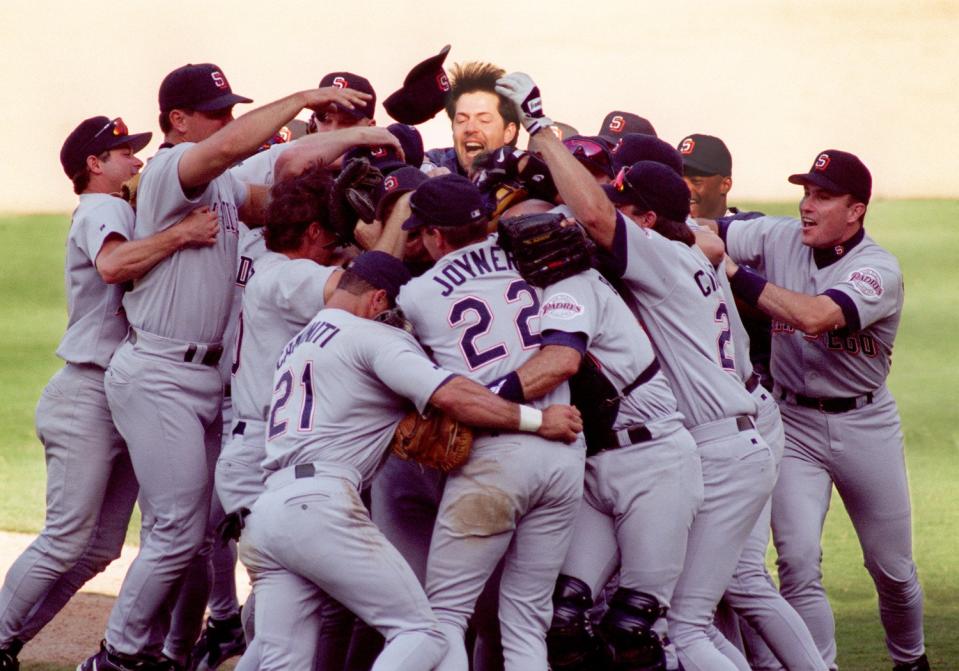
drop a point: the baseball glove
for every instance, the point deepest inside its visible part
(545, 247)
(352, 197)
(435, 440)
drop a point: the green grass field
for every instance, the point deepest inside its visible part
(925, 380)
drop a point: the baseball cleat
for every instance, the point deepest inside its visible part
(221, 640)
(921, 664)
(8, 660)
(105, 660)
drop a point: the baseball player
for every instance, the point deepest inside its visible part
(91, 488)
(163, 386)
(643, 462)
(681, 305)
(516, 498)
(835, 298)
(482, 120)
(340, 387)
(770, 632)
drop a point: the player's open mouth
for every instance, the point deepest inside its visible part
(808, 223)
(473, 148)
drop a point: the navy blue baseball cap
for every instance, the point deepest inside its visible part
(705, 155)
(617, 123)
(382, 271)
(446, 201)
(201, 87)
(423, 93)
(635, 147)
(652, 187)
(348, 80)
(93, 137)
(838, 172)
(400, 181)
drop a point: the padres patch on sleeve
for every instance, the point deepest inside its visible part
(866, 281)
(562, 306)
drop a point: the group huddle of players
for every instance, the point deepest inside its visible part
(248, 325)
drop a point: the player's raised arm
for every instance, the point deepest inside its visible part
(576, 186)
(241, 138)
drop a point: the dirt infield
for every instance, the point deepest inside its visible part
(76, 632)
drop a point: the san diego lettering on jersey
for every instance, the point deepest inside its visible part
(315, 332)
(472, 263)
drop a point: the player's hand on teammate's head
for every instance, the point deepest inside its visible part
(200, 227)
(319, 100)
(561, 422)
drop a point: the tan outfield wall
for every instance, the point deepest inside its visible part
(778, 80)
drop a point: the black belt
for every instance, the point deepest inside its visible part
(752, 382)
(239, 429)
(211, 358)
(830, 405)
(635, 435)
(304, 471)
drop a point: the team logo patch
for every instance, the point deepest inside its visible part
(390, 183)
(562, 306)
(442, 82)
(535, 105)
(219, 79)
(616, 124)
(341, 83)
(687, 146)
(475, 214)
(378, 152)
(822, 162)
(866, 281)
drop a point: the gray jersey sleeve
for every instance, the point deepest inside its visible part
(96, 324)
(258, 169)
(747, 241)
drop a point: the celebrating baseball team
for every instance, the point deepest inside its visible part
(619, 388)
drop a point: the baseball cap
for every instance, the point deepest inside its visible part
(635, 147)
(348, 80)
(423, 93)
(705, 155)
(617, 123)
(386, 159)
(93, 137)
(839, 172)
(651, 186)
(400, 181)
(446, 201)
(382, 271)
(201, 87)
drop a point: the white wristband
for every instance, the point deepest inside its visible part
(530, 419)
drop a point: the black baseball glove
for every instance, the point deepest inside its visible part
(546, 248)
(352, 197)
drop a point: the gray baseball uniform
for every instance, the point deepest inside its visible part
(680, 302)
(90, 484)
(517, 496)
(165, 393)
(621, 523)
(340, 387)
(842, 426)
